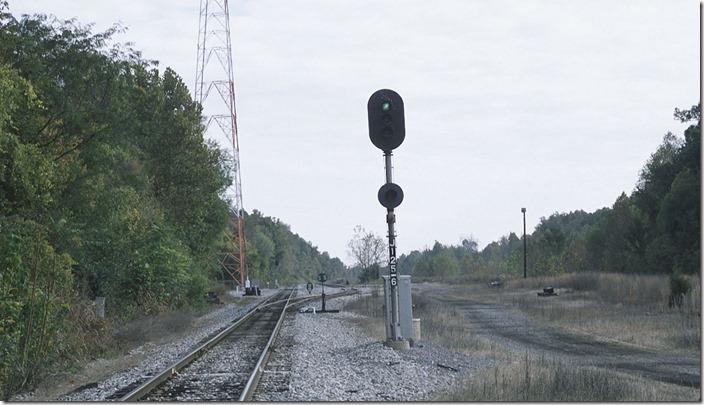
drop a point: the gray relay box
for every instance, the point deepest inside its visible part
(405, 307)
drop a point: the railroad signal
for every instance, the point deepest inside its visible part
(390, 195)
(387, 128)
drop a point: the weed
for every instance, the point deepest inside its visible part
(153, 328)
(629, 308)
(540, 378)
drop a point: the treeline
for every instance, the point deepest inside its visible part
(275, 253)
(108, 189)
(655, 229)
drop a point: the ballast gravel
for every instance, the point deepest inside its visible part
(332, 360)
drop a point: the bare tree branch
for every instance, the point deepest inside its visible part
(366, 248)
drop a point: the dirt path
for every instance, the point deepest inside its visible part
(516, 332)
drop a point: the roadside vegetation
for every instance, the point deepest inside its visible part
(631, 309)
(634, 309)
(108, 189)
(629, 273)
(532, 378)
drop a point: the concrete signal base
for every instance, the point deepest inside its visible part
(398, 344)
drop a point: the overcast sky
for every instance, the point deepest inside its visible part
(550, 105)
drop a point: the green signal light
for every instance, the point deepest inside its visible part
(386, 106)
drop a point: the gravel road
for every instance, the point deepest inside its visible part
(517, 333)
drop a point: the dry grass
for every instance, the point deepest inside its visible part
(372, 308)
(157, 329)
(539, 378)
(628, 308)
(440, 325)
(87, 336)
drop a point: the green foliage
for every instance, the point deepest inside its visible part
(106, 188)
(35, 285)
(370, 273)
(668, 196)
(274, 253)
(679, 287)
(445, 264)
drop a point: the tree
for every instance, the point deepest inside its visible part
(82, 131)
(107, 188)
(274, 253)
(470, 244)
(445, 264)
(366, 249)
(369, 273)
(656, 177)
(668, 194)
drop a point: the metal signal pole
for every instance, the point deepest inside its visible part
(387, 131)
(523, 210)
(393, 273)
(221, 121)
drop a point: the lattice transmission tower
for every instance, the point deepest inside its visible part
(214, 75)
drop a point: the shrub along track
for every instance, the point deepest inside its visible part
(519, 333)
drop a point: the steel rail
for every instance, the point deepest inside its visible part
(251, 386)
(139, 392)
(300, 300)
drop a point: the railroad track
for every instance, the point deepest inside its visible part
(225, 368)
(230, 365)
(276, 375)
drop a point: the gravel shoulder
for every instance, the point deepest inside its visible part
(102, 377)
(332, 359)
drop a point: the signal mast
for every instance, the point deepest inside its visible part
(221, 123)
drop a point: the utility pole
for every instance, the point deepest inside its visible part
(221, 118)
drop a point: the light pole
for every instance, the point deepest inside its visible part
(523, 210)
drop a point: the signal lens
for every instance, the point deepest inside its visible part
(386, 106)
(390, 196)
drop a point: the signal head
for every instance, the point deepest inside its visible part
(390, 195)
(386, 119)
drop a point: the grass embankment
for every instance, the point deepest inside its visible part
(627, 308)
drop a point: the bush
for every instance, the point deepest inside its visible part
(34, 282)
(369, 273)
(680, 286)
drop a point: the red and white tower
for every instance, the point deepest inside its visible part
(214, 78)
